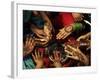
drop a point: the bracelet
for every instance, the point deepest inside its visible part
(77, 26)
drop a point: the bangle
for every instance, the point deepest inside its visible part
(77, 26)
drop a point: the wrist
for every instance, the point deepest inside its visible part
(57, 64)
(39, 66)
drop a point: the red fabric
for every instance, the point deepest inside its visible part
(46, 61)
(41, 50)
(65, 19)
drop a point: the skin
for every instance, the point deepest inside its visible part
(56, 58)
(67, 30)
(44, 35)
(77, 17)
(38, 58)
(85, 37)
(28, 46)
(76, 54)
(64, 32)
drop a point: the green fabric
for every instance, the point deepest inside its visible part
(28, 64)
(77, 26)
(26, 15)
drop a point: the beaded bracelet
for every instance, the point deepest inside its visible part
(77, 26)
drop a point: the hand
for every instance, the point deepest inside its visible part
(85, 41)
(39, 32)
(77, 17)
(64, 32)
(38, 58)
(48, 35)
(84, 37)
(76, 54)
(28, 46)
(44, 35)
(47, 30)
(56, 58)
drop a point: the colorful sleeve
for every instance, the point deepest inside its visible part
(77, 26)
(66, 18)
(28, 64)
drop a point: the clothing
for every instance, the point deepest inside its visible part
(65, 19)
(38, 21)
(28, 64)
(26, 16)
(77, 27)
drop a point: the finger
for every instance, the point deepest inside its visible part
(51, 58)
(41, 55)
(81, 37)
(33, 57)
(41, 35)
(78, 39)
(30, 39)
(68, 52)
(33, 42)
(56, 56)
(73, 57)
(60, 35)
(26, 43)
(27, 37)
(57, 36)
(74, 49)
(79, 51)
(29, 42)
(65, 35)
(36, 56)
(60, 32)
(31, 45)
